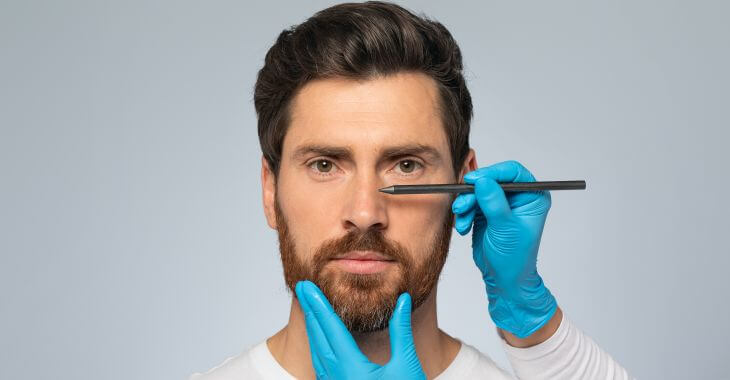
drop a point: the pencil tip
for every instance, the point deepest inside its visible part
(389, 189)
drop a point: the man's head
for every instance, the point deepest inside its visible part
(359, 97)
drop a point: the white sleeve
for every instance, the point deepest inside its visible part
(568, 354)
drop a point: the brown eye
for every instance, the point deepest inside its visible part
(324, 166)
(407, 166)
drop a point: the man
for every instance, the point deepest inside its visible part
(364, 96)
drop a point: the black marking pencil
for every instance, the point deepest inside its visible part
(467, 188)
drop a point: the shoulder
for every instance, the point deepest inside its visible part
(470, 363)
(231, 368)
(253, 363)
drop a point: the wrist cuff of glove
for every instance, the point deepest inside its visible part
(520, 318)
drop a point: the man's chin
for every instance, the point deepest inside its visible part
(364, 311)
(364, 302)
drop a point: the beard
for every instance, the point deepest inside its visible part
(365, 302)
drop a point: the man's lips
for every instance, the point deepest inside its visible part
(363, 262)
(364, 255)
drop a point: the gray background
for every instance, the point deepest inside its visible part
(134, 244)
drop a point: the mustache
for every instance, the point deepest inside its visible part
(356, 240)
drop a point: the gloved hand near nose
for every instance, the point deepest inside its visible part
(335, 354)
(505, 241)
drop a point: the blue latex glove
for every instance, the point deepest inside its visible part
(335, 354)
(505, 245)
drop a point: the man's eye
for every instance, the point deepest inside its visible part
(408, 166)
(322, 166)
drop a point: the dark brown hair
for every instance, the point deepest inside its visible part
(361, 41)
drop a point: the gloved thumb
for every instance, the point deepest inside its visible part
(492, 200)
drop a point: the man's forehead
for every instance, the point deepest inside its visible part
(379, 115)
(404, 91)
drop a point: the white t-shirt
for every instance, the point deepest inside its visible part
(568, 354)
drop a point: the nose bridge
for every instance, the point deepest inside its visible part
(366, 206)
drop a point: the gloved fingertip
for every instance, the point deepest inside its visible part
(316, 300)
(458, 227)
(463, 222)
(463, 203)
(404, 302)
(465, 230)
(457, 230)
(456, 206)
(308, 287)
(472, 175)
(299, 290)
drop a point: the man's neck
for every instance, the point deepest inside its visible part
(436, 350)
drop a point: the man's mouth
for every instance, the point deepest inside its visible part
(363, 262)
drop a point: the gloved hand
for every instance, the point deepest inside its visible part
(335, 354)
(505, 245)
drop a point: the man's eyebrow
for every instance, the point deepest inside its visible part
(345, 152)
(322, 150)
(412, 150)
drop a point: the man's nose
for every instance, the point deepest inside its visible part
(365, 207)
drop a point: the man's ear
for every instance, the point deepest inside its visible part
(470, 164)
(268, 190)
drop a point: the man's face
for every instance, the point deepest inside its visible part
(363, 247)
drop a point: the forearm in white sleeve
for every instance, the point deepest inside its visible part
(568, 354)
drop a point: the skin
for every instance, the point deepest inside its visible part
(367, 117)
